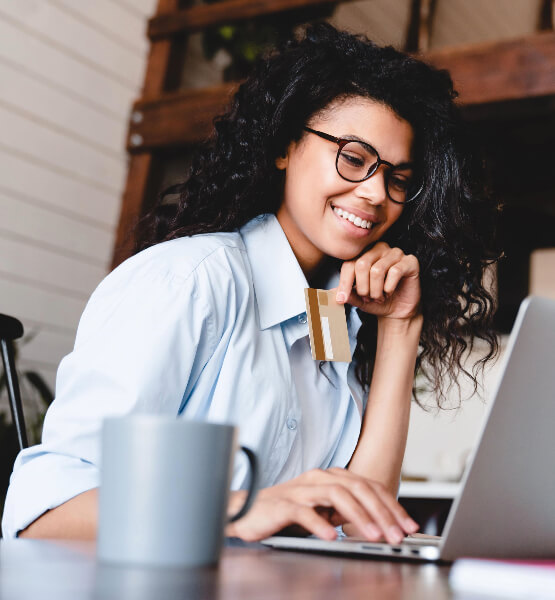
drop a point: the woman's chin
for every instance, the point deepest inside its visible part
(344, 251)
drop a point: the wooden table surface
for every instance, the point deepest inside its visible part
(59, 570)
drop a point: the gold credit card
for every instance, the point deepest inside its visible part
(327, 326)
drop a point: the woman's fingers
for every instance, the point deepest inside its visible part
(347, 505)
(400, 514)
(356, 273)
(373, 518)
(385, 519)
(383, 281)
(319, 498)
(382, 508)
(346, 282)
(408, 266)
(308, 518)
(380, 270)
(370, 273)
(272, 513)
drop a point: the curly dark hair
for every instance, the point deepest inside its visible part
(233, 178)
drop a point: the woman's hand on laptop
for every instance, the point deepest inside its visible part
(319, 500)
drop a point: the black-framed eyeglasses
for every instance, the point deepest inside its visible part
(357, 161)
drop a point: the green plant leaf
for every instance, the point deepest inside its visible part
(227, 32)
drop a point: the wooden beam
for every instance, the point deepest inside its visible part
(176, 119)
(139, 172)
(419, 32)
(156, 66)
(131, 206)
(499, 71)
(227, 11)
(493, 72)
(546, 19)
(413, 28)
(168, 6)
(427, 12)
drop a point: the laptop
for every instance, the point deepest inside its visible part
(506, 505)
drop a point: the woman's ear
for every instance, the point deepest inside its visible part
(281, 162)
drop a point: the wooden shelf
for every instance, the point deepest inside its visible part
(516, 69)
(228, 11)
(429, 489)
(176, 119)
(486, 73)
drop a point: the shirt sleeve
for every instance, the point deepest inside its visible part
(143, 337)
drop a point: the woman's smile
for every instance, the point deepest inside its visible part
(354, 221)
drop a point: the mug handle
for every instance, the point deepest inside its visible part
(253, 463)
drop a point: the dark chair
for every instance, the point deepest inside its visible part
(11, 329)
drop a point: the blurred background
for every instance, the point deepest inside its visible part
(102, 103)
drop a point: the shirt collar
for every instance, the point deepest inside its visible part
(279, 281)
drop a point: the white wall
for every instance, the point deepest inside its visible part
(69, 71)
(440, 441)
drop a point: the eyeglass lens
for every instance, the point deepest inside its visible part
(357, 161)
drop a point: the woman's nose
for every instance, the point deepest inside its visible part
(374, 189)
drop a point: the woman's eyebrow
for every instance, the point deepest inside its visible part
(355, 138)
(407, 164)
(404, 166)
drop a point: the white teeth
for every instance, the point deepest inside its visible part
(363, 223)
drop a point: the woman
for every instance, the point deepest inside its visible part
(339, 166)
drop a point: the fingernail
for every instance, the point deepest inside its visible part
(341, 297)
(395, 534)
(372, 531)
(410, 525)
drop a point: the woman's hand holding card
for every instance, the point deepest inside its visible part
(383, 281)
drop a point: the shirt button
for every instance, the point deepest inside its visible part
(302, 318)
(292, 424)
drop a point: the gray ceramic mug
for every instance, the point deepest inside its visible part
(164, 490)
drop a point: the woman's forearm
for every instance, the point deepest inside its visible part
(381, 447)
(75, 519)
(78, 518)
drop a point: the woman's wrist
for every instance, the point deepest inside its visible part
(236, 500)
(392, 331)
(401, 326)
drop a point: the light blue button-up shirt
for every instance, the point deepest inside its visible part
(210, 327)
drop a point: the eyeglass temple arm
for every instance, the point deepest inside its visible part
(321, 134)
